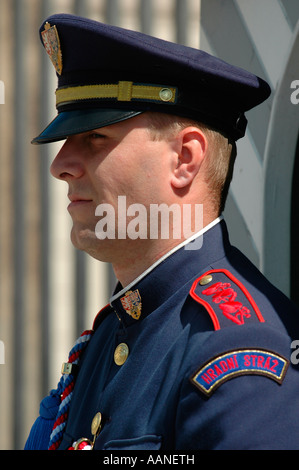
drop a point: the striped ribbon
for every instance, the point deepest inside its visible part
(66, 384)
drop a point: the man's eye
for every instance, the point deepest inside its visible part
(96, 135)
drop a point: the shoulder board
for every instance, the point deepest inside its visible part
(226, 299)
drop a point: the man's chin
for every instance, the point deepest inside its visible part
(82, 238)
(86, 240)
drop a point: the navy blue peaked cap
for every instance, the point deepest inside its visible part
(107, 74)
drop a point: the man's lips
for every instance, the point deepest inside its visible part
(77, 200)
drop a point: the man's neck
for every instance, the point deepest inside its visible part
(142, 258)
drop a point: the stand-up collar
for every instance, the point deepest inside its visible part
(174, 270)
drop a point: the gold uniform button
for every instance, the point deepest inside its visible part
(206, 280)
(96, 424)
(165, 94)
(121, 354)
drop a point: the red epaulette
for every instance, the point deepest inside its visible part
(225, 298)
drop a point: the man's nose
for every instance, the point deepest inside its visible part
(67, 163)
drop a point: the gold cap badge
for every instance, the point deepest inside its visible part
(131, 302)
(52, 45)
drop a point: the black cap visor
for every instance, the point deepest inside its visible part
(77, 121)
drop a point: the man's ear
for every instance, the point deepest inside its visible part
(192, 151)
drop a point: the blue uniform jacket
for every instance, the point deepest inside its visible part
(209, 359)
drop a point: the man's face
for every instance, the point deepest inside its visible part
(118, 160)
